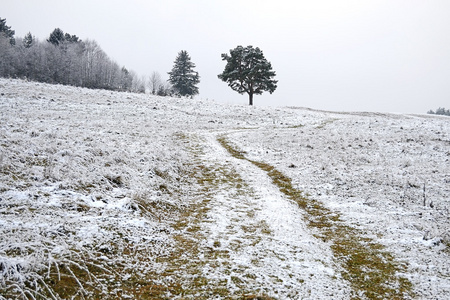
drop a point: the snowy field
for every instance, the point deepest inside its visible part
(118, 195)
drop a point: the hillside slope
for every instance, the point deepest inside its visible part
(120, 195)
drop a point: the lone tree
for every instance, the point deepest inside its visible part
(182, 77)
(248, 71)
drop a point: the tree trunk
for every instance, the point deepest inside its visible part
(250, 98)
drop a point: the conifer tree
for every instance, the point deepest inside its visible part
(28, 40)
(71, 38)
(6, 30)
(248, 71)
(183, 77)
(56, 37)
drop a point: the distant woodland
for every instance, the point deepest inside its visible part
(440, 111)
(65, 59)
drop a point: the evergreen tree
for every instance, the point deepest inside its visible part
(28, 40)
(6, 30)
(56, 37)
(248, 71)
(71, 38)
(182, 77)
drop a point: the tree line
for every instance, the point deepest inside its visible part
(66, 59)
(440, 111)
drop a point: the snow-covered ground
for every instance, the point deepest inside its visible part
(126, 195)
(388, 174)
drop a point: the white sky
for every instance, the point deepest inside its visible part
(387, 56)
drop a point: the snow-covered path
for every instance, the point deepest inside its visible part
(262, 236)
(268, 248)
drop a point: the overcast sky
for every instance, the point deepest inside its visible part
(386, 56)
